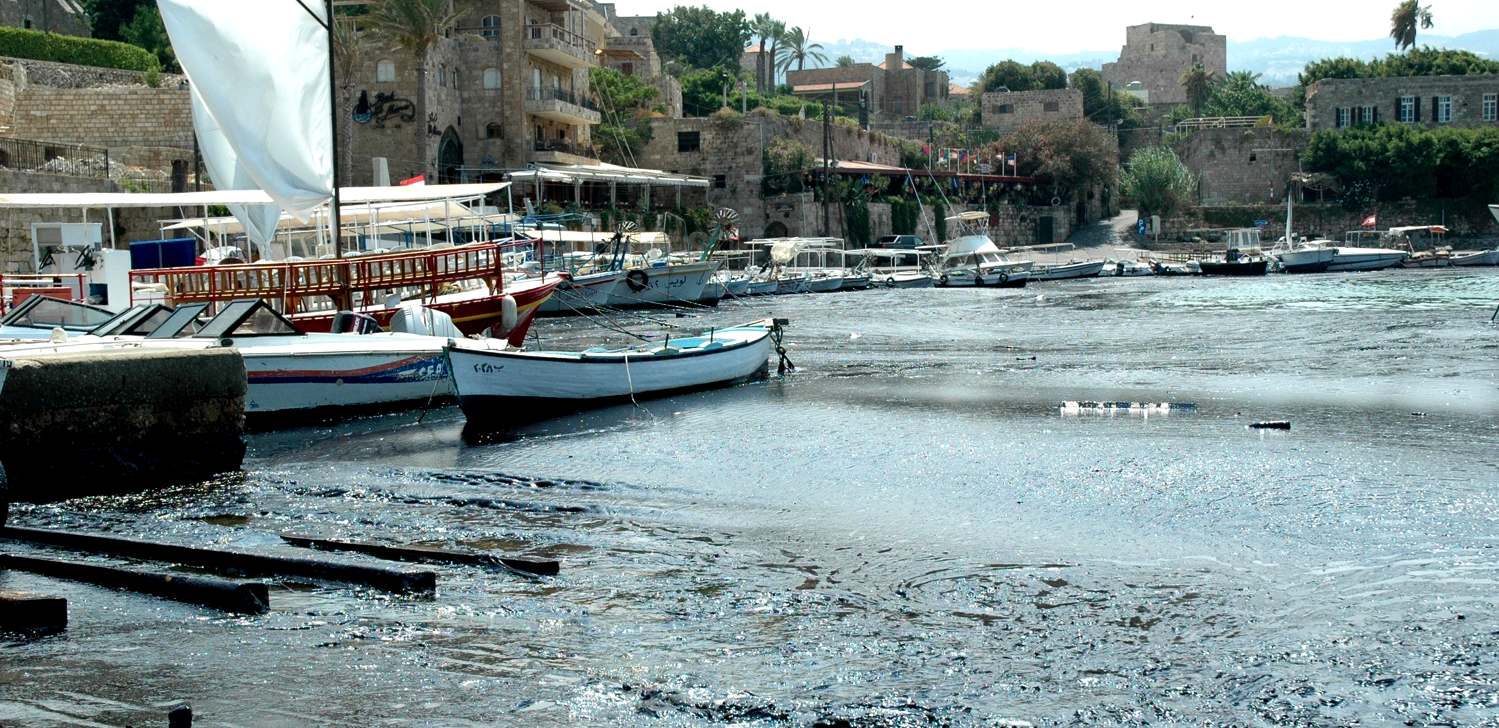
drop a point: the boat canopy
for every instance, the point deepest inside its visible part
(785, 250)
(579, 173)
(1433, 229)
(971, 245)
(891, 253)
(413, 217)
(350, 196)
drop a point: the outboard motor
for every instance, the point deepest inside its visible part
(349, 322)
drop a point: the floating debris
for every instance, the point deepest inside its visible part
(1276, 425)
(1141, 408)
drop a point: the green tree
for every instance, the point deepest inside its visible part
(1158, 181)
(627, 104)
(348, 56)
(1241, 94)
(109, 17)
(927, 63)
(415, 26)
(796, 49)
(776, 31)
(1048, 76)
(147, 31)
(1408, 16)
(1197, 82)
(1006, 75)
(845, 61)
(701, 37)
(1072, 155)
(1101, 103)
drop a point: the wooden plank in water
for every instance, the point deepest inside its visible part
(384, 578)
(23, 612)
(223, 594)
(427, 554)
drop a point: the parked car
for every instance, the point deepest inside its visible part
(901, 242)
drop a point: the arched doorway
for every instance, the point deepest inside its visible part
(449, 156)
(776, 230)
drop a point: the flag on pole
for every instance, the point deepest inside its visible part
(1371, 221)
(414, 181)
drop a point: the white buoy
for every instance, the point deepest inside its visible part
(509, 315)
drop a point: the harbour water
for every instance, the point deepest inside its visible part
(905, 531)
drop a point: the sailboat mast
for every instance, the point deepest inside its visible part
(336, 215)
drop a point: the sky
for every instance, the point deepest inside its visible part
(1069, 26)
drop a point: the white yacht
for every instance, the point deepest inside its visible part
(1357, 254)
(972, 259)
(1050, 266)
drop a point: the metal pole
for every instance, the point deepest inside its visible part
(827, 153)
(346, 298)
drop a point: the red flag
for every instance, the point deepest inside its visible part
(1371, 221)
(414, 181)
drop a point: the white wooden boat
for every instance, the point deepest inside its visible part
(1355, 255)
(1067, 271)
(664, 283)
(895, 267)
(1470, 258)
(584, 293)
(825, 282)
(499, 387)
(760, 287)
(856, 282)
(789, 284)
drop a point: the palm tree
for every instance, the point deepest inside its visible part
(1197, 82)
(1403, 22)
(762, 27)
(797, 49)
(415, 26)
(775, 30)
(347, 58)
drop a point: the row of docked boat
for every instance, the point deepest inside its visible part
(424, 360)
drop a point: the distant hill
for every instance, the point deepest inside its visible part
(1278, 60)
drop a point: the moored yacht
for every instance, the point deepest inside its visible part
(1354, 255)
(972, 258)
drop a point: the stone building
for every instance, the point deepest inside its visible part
(53, 16)
(1005, 111)
(1155, 56)
(1241, 166)
(635, 55)
(892, 90)
(1425, 100)
(508, 87)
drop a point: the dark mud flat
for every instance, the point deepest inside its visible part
(906, 532)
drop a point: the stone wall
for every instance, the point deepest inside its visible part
(1011, 224)
(107, 117)
(1241, 166)
(1005, 112)
(1156, 55)
(46, 15)
(67, 75)
(1378, 100)
(731, 152)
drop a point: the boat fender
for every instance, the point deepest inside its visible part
(943, 280)
(1004, 278)
(890, 282)
(509, 315)
(638, 280)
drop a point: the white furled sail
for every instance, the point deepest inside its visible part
(258, 221)
(260, 70)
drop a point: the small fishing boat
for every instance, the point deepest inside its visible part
(1049, 265)
(583, 293)
(1243, 257)
(1170, 268)
(856, 282)
(972, 259)
(759, 287)
(503, 387)
(1128, 269)
(1471, 258)
(1356, 255)
(894, 267)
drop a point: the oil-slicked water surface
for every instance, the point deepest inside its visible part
(905, 531)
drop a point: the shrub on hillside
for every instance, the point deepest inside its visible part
(33, 45)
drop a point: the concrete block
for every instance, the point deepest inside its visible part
(23, 612)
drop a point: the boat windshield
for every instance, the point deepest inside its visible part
(137, 321)
(247, 319)
(42, 312)
(183, 322)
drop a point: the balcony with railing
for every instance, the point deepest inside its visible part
(556, 44)
(561, 151)
(561, 105)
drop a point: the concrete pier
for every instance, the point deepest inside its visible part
(23, 612)
(74, 425)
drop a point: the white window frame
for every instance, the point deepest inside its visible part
(1443, 112)
(385, 72)
(1366, 114)
(491, 79)
(1344, 117)
(1407, 109)
(489, 27)
(1491, 107)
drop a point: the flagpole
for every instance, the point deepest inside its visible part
(336, 213)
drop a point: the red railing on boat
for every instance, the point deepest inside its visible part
(289, 283)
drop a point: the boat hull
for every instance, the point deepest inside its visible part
(1476, 258)
(1360, 259)
(582, 294)
(762, 288)
(1240, 269)
(508, 387)
(824, 285)
(302, 383)
(905, 280)
(667, 285)
(1313, 260)
(1067, 272)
